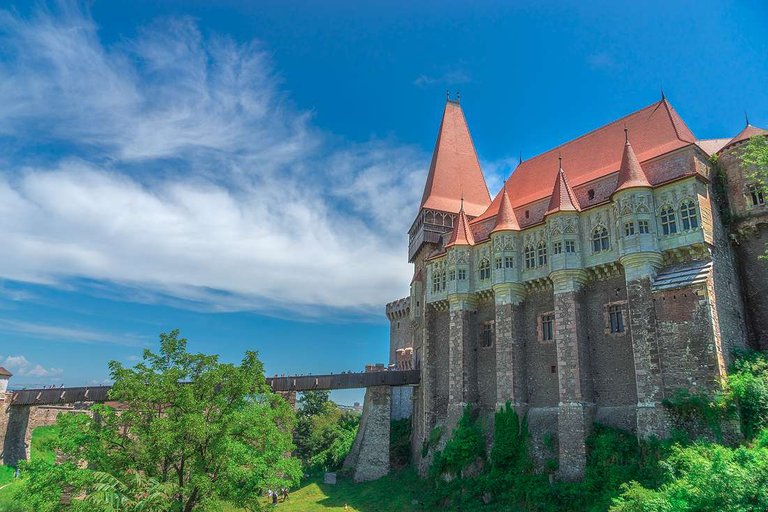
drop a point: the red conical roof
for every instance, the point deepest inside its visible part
(462, 233)
(506, 219)
(747, 133)
(562, 199)
(5, 373)
(631, 174)
(455, 170)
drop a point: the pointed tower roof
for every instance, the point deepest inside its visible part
(631, 174)
(505, 219)
(5, 373)
(562, 199)
(455, 170)
(747, 133)
(462, 233)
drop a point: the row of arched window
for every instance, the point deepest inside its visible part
(688, 217)
(536, 256)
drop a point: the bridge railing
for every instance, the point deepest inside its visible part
(60, 396)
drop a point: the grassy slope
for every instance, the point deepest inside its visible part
(392, 493)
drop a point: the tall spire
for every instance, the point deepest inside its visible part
(505, 219)
(631, 174)
(462, 233)
(455, 169)
(563, 199)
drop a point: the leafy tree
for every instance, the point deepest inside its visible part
(755, 160)
(324, 433)
(704, 478)
(191, 432)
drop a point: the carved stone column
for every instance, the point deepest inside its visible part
(574, 411)
(639, 271)
(461, 307)
(510, 363)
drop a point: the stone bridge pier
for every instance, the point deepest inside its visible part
(369, 457)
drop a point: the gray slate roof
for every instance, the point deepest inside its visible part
(680, 276)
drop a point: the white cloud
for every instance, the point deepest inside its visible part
(187, 175)
(447, 78)
(67, 333)
(21, 367)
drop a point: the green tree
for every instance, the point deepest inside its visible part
(191, 432)
(755, 160)
(324, 433)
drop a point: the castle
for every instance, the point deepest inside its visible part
(606, 274)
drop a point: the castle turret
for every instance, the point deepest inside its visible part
(634, 207)
(563, 222)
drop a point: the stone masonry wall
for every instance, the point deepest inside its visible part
(540, 356)
(369, 457)
(754, 271)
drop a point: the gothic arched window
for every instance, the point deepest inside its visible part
(600, 240)
(485, 270)
(668, 221)
(688, 215)
(541, 252)
(530, 258)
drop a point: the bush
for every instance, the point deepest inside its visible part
(748, 386)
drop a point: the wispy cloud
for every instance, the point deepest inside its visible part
(601, 60)
(186, 173)
(21, 367)
(447, 78)
(69, 334)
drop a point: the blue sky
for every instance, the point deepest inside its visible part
(246, 171)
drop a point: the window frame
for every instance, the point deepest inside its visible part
(487, 334)
(629, 228)
(601, 241)
(689, 215)
(616, 317)
(530, 256)
(570, 246)
(484, 269)
(541, 254)
(643, 227)
(668, 219)
(545, 327)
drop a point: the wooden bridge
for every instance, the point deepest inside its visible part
(62, 396)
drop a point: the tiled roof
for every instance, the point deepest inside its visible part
(562, 199)
(5, 373)
(656, 130)
(712, 146)
(506, 219)
(679, 276)
(455, 170)
(631, 174)
(462, 233)
(747, 133)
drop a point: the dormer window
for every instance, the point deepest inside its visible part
(591, 194)
(527, 214)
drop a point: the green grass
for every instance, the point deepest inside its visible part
(393, 493)
(6, 475)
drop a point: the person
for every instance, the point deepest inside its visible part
(274, 499)
(285, 493)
